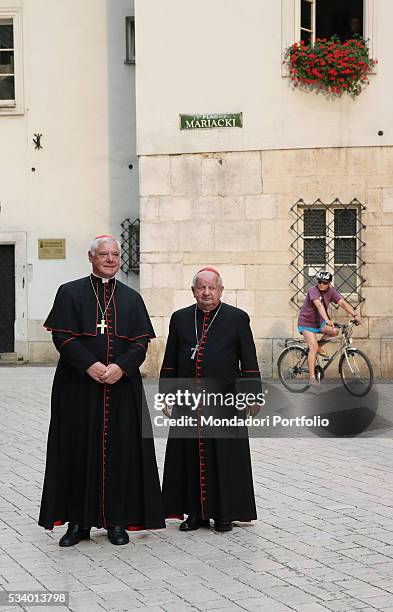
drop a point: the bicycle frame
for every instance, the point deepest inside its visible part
(345, 344)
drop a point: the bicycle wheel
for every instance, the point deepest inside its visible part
(356, 372)
(293, 369)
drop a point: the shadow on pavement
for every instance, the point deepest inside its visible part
(347, 416)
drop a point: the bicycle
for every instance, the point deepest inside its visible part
(355, 368)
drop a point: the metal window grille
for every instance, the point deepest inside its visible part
(130, 246)
(130, 40)
(328, 237)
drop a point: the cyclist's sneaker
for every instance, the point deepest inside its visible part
(314, 383)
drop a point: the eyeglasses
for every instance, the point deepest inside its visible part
(322, 282)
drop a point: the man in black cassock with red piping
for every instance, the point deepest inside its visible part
(100, 470)
(210, 346)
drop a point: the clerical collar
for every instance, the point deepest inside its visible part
(210, 312)
(100, 278)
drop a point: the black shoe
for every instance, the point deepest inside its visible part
(192, 523)
(118, 536)
(223, 525)
(74, 534)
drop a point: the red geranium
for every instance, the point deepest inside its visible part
(330, 65)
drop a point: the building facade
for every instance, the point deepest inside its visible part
(68, 156)
(305, 183)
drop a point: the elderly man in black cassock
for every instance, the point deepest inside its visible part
(100, 471)
(207, 476)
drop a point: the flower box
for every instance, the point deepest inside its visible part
(330, 65)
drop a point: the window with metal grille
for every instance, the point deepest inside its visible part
(327, 237)
(130, 246)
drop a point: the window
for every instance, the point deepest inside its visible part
(310, 19)
(11, 81)
(307, 20)
(322, 19)
(130, 246)
(328, 237)
(130, 40)
(7, 71)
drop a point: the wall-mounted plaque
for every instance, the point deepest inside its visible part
(51, 248)
(223, 120)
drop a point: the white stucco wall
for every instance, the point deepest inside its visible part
(80, 95)
(223, 56)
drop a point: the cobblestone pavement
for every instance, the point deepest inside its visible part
(323, 541)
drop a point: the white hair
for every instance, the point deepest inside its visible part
(97, 241)
(194, 280)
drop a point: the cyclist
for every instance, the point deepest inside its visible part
(314, 319)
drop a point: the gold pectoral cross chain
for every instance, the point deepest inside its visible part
(102, 326)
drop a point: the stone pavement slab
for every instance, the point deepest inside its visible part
(323, 541)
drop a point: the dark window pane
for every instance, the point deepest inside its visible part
(6, 62)
(130, 39)
(6, 36)
(341, 17)
(314, 222)
(314, 251)
(306, 36)
(344, 250)
(7, 88)
(345, 222)
(346, 279)
(306, 15)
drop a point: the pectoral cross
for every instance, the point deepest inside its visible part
(194, 350)
(102, 326)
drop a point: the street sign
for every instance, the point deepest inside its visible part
(223, 120)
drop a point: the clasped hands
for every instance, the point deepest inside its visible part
(252, 410)
(103, 374)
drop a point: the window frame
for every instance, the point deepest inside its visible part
(298, 20)
(290, 27)
(16, 106)
(329, 264)
(10, 101)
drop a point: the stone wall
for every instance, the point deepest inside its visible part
(232, 211)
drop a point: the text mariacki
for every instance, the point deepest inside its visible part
(225, 120)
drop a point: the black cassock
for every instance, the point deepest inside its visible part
(100, 471)
(208, 476)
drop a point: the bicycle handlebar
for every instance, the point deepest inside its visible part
(341, 325)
